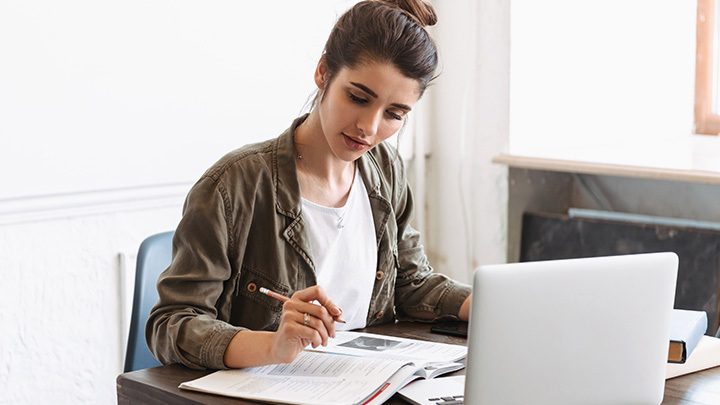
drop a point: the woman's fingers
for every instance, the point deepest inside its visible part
(313, 320)
(317, 293)
(291, 338)
(317, 329)
(327, 311)
(305, 322)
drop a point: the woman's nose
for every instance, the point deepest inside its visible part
(369, 121)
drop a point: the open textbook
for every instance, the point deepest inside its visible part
(355, 368)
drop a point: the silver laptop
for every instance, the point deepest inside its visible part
(577, 331)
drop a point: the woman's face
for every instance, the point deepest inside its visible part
(364, 106)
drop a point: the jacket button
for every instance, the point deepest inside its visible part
(251, 287)
(379, 275)
(379, 314)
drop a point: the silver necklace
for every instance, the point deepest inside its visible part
(341, 218)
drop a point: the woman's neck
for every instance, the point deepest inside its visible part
(324, 178)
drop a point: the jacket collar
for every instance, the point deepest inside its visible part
(287, 188)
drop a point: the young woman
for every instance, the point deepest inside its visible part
(321, 213)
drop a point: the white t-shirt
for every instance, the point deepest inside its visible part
(345, 258)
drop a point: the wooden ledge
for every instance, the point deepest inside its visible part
(606, 169)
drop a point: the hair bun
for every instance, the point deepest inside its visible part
(419, 10)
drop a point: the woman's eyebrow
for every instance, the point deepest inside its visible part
(365, 89)
(374, 95)
(402, 106)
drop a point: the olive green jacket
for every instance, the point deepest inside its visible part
(242, 229)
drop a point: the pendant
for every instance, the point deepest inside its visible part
(341, 222)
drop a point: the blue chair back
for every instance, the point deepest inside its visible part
(153, 257)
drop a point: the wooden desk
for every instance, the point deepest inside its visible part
(159, 385)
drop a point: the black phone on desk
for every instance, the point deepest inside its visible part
(454, 328)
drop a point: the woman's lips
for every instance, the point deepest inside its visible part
(353, 143)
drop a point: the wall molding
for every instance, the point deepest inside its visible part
(71, 205)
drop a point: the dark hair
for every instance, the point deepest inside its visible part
(385, 32)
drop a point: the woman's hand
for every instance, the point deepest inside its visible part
(297, 330)
(464, 313)
(259, 348)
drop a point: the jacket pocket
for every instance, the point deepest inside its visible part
(251, 308)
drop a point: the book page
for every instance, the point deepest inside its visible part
(398, 380)
(402, 378)
(317, 378)
(371, 345)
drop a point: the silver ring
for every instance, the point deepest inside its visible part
(307, 319)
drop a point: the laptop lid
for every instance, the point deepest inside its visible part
(576, 331)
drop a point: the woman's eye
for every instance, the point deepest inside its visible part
(357, 99)
(394, 116)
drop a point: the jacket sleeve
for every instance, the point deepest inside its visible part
(183, 325)
(418, 288)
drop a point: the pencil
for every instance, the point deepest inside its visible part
(284, 298)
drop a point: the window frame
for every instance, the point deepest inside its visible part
(706, 120)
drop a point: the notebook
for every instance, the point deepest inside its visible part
(576, 331)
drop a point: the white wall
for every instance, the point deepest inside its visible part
(109, 94)
(62, 305)
(465, 194)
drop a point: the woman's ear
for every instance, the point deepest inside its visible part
(321, 73)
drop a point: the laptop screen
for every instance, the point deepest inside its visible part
(576, 331)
